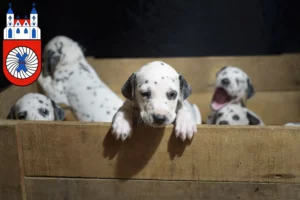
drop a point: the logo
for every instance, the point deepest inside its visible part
(22, 48)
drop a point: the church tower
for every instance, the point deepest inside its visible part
(33, 17)
(10, 17)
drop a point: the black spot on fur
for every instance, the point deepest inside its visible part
(101, 106)
(236, 117)
(220, 114)
(162, 63)
(61, 92)
(235, 72)
(47, 104)
(71, 73)
(41, 101)
(163, 77)
(95, 93)
(28, 102)
(155, 82)
(231, 111)
(88, 116)
(83, 67)
(64, 88)
(59, 72)
(43, 112)
(224, 73)
(88, 88)
(140, 86)
(114, 108)
(108, 112)
(237, 81)
(146, 81)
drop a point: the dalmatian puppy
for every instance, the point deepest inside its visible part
(69, 79)
(34, 106)
(236, 114)
(233, 86)
(156, 96)
(292, 124)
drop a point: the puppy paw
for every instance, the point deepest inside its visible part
(185, 128)
(44, 80)
(121, 128)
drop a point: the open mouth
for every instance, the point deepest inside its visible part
(220, 99)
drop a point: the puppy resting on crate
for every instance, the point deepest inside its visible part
(156, 96)
(233, 86)
(69, 79)
(236, 114)
(34, 106)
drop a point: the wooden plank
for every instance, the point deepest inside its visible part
(268, 73)
(11, 170)
(90, 189)
(74, 149)
(11, 95)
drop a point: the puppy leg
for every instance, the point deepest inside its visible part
(53, 90)
(122, 122)
(185, 125)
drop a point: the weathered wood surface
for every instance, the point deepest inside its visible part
(11, 170)
(73, 149)
(91, 189)
(268, 73)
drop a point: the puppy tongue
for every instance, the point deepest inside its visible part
(220, 98)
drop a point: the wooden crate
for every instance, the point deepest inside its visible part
(74, 160)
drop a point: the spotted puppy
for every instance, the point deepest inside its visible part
(292, 124)
(233, 86)
(34, 106)
(69, 79)
(236, 114)
(156, 96)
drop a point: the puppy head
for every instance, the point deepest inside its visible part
(235, 114)
(34, 106)
(158, 90)
(58, 52)
(232, 86)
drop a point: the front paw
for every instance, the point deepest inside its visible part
(121, 128)
(185, 127)
(44, 80)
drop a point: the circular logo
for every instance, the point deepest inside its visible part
(22, 66)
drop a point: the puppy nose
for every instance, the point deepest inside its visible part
(225, 81)
(22, 115)
(223, 123)
(159, 119)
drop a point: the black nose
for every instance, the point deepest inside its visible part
(159, 119)
(223, 123)
(225, 81)
(22, 115)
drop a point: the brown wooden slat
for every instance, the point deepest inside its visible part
(11, 170)
(91, 189)
(73, 149)
(268, 73)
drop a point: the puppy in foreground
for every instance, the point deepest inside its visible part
(236, 114)
(69, 79)
(233, 86)
(156, 96)
(34, 106)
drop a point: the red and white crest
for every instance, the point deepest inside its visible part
(22, 48)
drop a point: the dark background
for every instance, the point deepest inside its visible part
(168, 28)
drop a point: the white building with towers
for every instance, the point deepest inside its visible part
(22, 29)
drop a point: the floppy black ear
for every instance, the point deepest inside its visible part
(221, 70)
(250, 89)
(253, 120)
(49, 63)
(129, 87)
(59, 113)
(12, 113)
(185, 88)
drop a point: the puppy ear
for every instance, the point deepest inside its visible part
(221, 70)
(185, 88)
(250, 89)
(128, 88)
(59, 113)
(12, 113)
(50, 63)
(253, 119)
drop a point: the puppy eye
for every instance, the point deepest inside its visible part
(45, 111)
(172, 95)
(146, 94)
